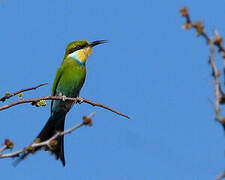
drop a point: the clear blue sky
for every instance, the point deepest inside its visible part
(151, 69)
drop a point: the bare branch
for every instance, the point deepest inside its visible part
(45, 144)
(102, 106)
(3, 148)
(217, 42)
(200, 31)
(221, 176)
(197, 26)
(20, 91)
(62, 98)
(217, 90)
(50, 143)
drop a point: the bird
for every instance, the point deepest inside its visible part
(68, 82)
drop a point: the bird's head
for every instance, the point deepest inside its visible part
(80, 50)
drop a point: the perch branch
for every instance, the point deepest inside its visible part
(45, 144)
(62, 98)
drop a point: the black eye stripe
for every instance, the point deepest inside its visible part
(75, 49)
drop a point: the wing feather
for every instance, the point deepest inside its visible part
(56, 82)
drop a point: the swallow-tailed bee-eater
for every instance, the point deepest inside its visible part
(68, 82)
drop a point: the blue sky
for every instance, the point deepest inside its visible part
(151, 69)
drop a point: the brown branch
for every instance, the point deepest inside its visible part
(200, 31)
(217, 90)
(3, 148)
(217, 42)
(197, 26)
(20, 91)
(48, 144)
(62, 98)
(102, 106)
(221, 176)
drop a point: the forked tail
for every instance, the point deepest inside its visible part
(55, 124)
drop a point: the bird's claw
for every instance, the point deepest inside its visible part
(63, 98)
(79, 100)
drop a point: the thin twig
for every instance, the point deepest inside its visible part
(28, 149)
(3, 148)
(217, 42)
(200, 31)
(20, 91)
(102, 106)
(221, 176)
(217, 89)
(62, 98)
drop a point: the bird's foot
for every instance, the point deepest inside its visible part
(79, 100)
(63, 98)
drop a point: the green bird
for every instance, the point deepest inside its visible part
(68, 82)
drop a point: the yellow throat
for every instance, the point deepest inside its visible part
(82, 55)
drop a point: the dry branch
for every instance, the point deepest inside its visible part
(48, 144)
(45, 144)
(216, 42)
(20, 91)
(62, 98)
(221, 176)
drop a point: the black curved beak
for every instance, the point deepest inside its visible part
(94, 43)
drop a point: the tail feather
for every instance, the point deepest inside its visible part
(54, 124)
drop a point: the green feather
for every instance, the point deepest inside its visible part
(68, 82)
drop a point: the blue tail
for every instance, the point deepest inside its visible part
(54, 124)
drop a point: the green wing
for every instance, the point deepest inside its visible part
(56, 82)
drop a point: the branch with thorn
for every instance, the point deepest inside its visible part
(46, 145)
